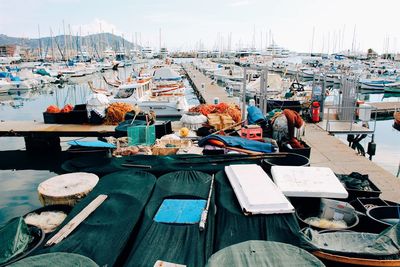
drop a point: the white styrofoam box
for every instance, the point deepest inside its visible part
(364, 113)
(308, 182)
(255, 191)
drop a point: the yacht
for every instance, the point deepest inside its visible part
(277, 51)
(147, 52)
(163, 53)
(202, 54)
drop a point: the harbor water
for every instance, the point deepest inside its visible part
(19, 186)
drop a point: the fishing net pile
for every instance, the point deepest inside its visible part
(174, 242)
(103, 235)
(222, 108)
(116, 113)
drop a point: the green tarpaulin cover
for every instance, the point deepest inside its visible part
(263, 254)
(14, 239)
(177, 243)
(233, 227)
(56, 259)
(385, 245)
(104, 234)
(159, 164)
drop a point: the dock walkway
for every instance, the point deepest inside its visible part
(328, 151)
(29, 128)
(212, 90)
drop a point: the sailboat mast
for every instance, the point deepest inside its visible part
(40, 44)
(52, 45)
(312, 41)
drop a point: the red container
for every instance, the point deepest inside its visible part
(252, 132)
(315, 111)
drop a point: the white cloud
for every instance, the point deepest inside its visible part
(239, 3)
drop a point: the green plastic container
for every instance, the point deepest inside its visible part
(141, 135)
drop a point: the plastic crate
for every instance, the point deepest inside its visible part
(141, 135)
(77, 116)
(252, 133)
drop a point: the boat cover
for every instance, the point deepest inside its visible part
(104, 234)
(254, 115)
(56, 259)
(176, 243)
(385, 245)
(263, 254)
(14, 239)
(158, 165)
(235, 141)
(233, 227)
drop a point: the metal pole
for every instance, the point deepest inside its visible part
(244, 94)
(265, 90)
(323, 97)
(261, 94)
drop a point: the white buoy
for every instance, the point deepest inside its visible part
(66, 189)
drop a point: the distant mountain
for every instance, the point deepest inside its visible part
(102, 40)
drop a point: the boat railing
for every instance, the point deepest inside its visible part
(351, 124)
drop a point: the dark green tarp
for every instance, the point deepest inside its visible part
(160, 165)
(233, 227)
(182, 244)
(263, 254)
(104, 234)
(385, 245)
(56, 259)
(14, 239)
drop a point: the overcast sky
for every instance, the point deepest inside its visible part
(186, 23)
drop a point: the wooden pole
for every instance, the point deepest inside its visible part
(80, 217)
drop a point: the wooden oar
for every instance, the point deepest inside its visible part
(80, 217)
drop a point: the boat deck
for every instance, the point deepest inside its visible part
(212, 90)
(328, 151)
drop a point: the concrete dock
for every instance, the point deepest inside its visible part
(329, 151)
(211, 90)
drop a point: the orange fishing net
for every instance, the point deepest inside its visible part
(221, 108)
(116, 113)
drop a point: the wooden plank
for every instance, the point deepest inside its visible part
(80, 217)
(385, 105)
(25, 128)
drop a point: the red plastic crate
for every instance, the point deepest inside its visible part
(252, 132)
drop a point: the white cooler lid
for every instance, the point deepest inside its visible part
(255, 191)
(308, 182)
